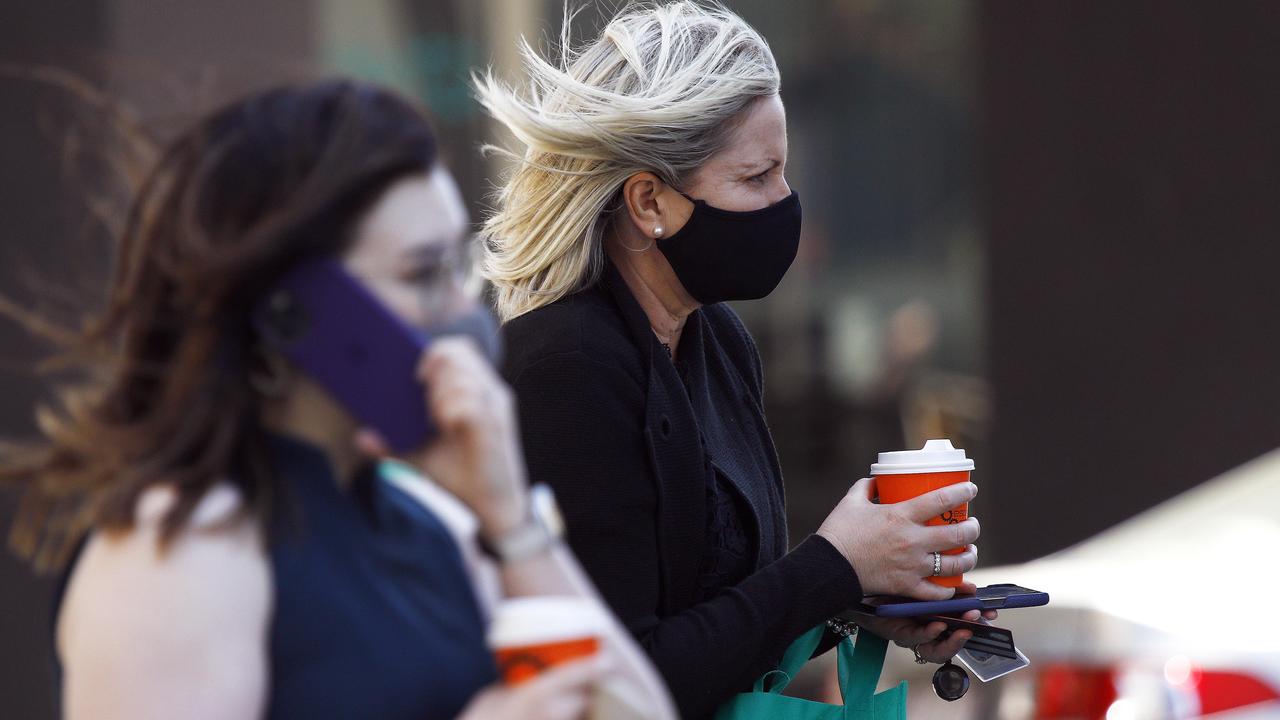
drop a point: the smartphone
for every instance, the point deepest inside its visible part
(323, 319)
(992, 597)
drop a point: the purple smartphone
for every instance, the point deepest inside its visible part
(330, 326)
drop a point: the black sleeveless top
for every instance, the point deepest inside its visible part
(374, 615)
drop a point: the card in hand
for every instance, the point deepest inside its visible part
(986, 638)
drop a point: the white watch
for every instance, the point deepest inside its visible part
(542, 529)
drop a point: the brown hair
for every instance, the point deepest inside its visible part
(163, 392)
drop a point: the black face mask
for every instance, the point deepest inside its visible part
(723, 255)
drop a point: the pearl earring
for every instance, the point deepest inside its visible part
(657, 231)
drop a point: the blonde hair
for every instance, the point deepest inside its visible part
(657, 91)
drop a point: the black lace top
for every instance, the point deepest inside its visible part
(729, 554)
(728, 557)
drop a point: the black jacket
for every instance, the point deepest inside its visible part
(608, 424)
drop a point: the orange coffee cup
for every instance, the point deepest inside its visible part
(903, 475)
(531, 634)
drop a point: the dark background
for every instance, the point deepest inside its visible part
(35, 211)
(1133, 227)
(1125, 171)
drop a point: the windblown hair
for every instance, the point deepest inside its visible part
(660, 90)
(162, 390)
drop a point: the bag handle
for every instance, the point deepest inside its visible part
(859, 666)
(797, 654)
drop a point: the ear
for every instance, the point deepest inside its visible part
(649, 204)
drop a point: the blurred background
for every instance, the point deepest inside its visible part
(1048, 231)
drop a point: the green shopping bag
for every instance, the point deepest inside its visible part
(859, 670)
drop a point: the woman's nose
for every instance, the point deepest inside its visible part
(782, 192)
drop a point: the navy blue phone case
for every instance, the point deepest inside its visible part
(992, 597)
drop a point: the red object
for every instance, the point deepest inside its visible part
(1086, 692)
(1220, 690)
(1074, 691)
(525, 662)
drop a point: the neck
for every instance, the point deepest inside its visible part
(306, 412)
(653, 283)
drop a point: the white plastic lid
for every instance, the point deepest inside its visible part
(538, 619)
(935, 456)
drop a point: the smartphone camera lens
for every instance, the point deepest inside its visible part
(287, 318)
(950, 682)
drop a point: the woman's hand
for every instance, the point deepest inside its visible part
(561, 693)
(923, 637)
(476, 456)
(891, 548)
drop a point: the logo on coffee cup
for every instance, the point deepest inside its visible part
(531, 634)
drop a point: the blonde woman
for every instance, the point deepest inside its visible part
(652, 188)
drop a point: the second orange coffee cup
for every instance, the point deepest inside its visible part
(532, 634)
(909, 473)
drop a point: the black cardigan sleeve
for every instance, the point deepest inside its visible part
(582, 423)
